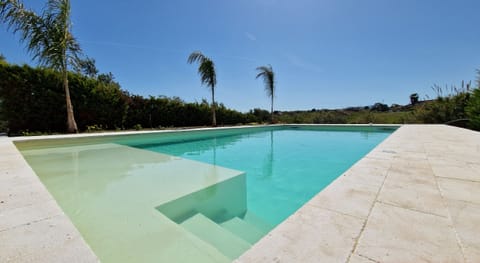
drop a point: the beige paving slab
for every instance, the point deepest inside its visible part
(375, 162)
(16, 217)
(382, 154)
(367, 174)
(311, 235)
(13, 196)
(17, 176)
(447, 156)
(460, 190)
(49, 240)
(413, 188)
(347, 195)
(466, 218)
(400, 163)
(474, 166)
(394, 234)
(464, 171)
(7, 162)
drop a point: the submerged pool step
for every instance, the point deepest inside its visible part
(254, 220)
(225, 241)
(243, 229)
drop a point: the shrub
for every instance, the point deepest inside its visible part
(473, 110)
(94, 128)
(445, 108)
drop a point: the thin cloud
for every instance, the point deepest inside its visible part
(301, 63)
(237, 58)
(127, 45)
(250, 36)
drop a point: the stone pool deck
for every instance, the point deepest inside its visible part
(415, 197)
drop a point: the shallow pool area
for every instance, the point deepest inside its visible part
(203, 196)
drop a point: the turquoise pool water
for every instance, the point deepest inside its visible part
(193, 196)
(284, 167)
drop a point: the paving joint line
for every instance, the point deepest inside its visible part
(450, 219)
(411, 209)
(369, 213)
(458, 179)
(29, 223)
(367, 258)
(337, 212)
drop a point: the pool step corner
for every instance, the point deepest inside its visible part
(225, 241)
(243, 229)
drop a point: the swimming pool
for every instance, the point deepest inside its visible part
(192, 196)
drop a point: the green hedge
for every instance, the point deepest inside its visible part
(33, 100)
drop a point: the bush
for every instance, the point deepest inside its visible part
(445, 108)
(380, 107)
(94, 128)
(473, 110)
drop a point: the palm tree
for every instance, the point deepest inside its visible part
(48, 38)
(206, 70)
(266, 72)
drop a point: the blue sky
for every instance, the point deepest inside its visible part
(325, 53)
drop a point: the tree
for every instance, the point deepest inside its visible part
(48, 38)
(206, 70)
(478, 78)
(106, 78)
(414, 98)
(266, 72)
(380, 107)
(87, 67)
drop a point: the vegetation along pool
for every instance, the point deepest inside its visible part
(192, 196)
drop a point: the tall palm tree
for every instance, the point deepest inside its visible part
(206, 70)
(266, 72)
(48, 38)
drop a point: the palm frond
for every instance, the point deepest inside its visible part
(196, 56)
(206, 68)
(268, 76)
(47, 36)
(18, 19)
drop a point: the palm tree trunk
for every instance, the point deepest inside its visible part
(71, 124)
(271, 109)
(214, 118)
